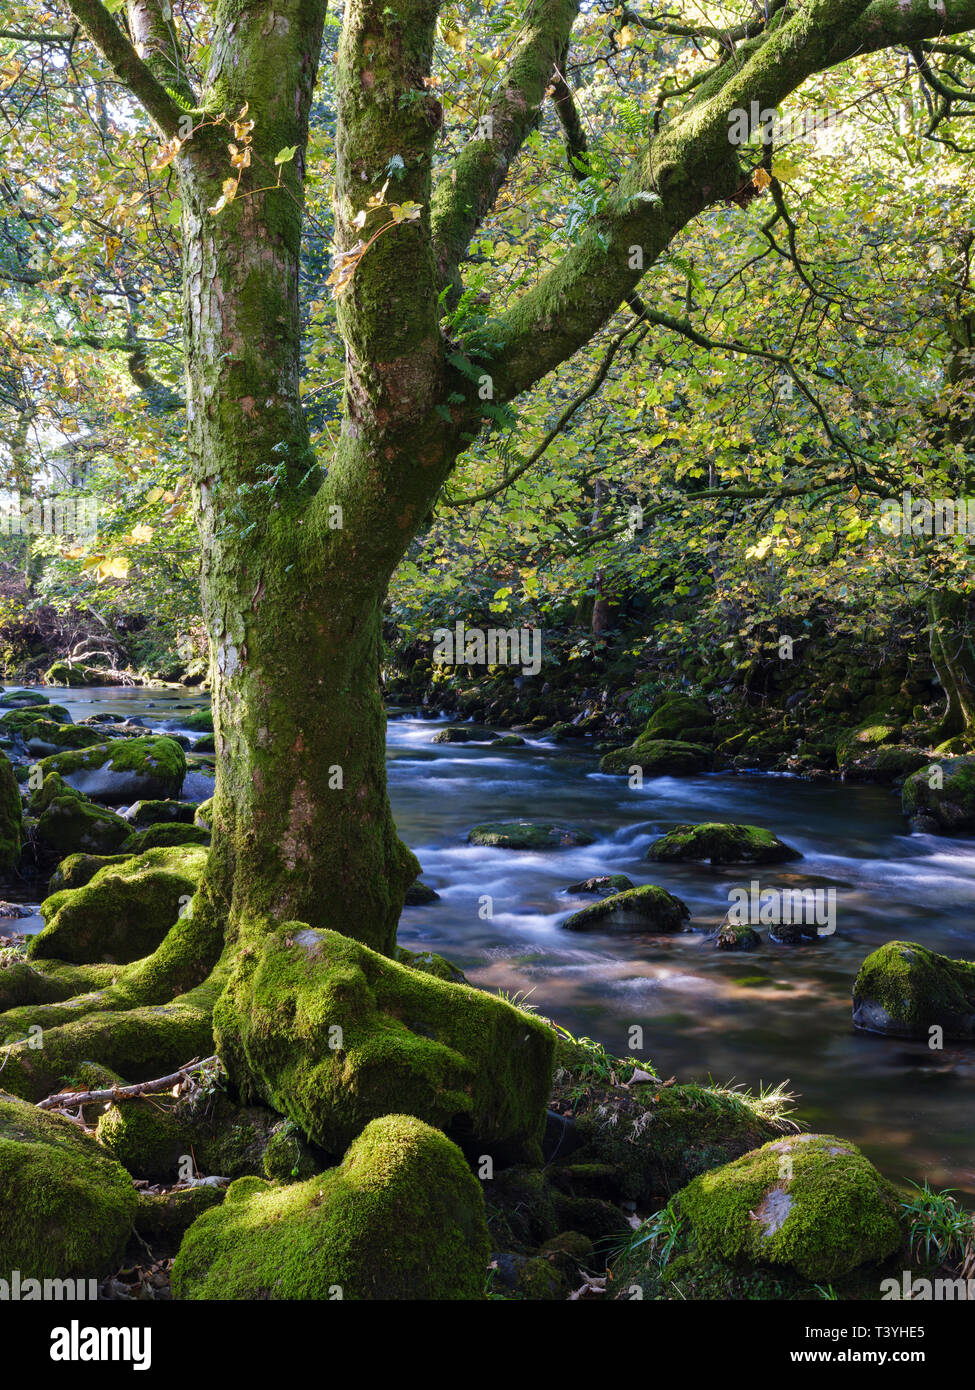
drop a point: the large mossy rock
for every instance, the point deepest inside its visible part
(146, 813)
(73, 825)
(11, 817)
(198, 721)
(658, 758)
(647, 909)
(333, 1035)
(644, 1140)
(721, 844)
(163, 836)
(401, 1218)
(63, 674)
(22, 699)
(66, 1207)
(904, 990)
(680, 717)
(43, 736)
(21, 720)
(522, 834)
(125, 770)
(803, 1210)
(125, 910)
(940, 797)
(79, 869)
(888, 763)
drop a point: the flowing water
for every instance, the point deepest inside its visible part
(760, 1017)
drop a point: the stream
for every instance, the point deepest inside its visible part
(762, 1017)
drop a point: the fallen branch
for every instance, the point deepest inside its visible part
(113, 1093)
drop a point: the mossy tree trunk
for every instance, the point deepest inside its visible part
(297, 557)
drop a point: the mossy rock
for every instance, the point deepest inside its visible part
(125, 770)
(402, 1218)
(643, 1141)
(904, 990)
(521, 1208)
(66, 1207)
(203, 815)
(431, 964)
(721, 844)
(144, 1136)
(603, 885)
(163, 836)
(675, 716)
(527, 835)
(737, 936)
(872, 734)
(22, 699)
(11, 817)
(52, 787)
(419, 894)
(72, 825)
(648, 908)
(125, 910)
(19, 720)
(507, 741)
(79, 869)
(658, 758)
(941, 796)
(888, 763)
(454, 734)
(167, 812)
(809, 1205)
(63, 674)
(199, 721)
(206, 744)
(460, 1059)
(43, 736)
(166, 1216)
(287, 1158)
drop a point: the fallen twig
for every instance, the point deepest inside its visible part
(141, 1088)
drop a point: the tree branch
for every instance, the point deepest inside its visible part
(125, 62)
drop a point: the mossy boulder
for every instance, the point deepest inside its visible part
(527, 835)
(737, 936)
(145, 1137)
(66, 1207)
(419, 894)
(401, 1218)
(904, 990)
(42, 736)
(124, 912)
(73, 825)
(146, 813)
(940, 797)
(807, 1205)
(431, 964)
(11, 817)
(79, 869)
(166, 1216)
(63, 674)
(680, 717)
(643, 1140)
(51, 788)
(453, 734)
(198, 721)
(22, 699)
(333, 1034)
(203, 815)
(19, 720)
(125, 770)
(648, 909)
(658, 758)
(888, 763)
(164, 835)
(721, 844)
(602, 885)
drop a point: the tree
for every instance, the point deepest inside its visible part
(298, 551)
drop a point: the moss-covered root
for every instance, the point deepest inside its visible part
(334, 1035)
(40, 983)
(401, 1218)
(905, 990)
(66, 1207)
(138, 1043)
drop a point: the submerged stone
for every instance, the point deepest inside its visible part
(527, 835)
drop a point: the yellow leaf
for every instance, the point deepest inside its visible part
(116, 567)
(761, 178)
(141, 533)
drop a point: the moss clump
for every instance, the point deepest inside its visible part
(903, 989)
(603, 886)
(886, 764)
(332, 1034)
(721, 844)
(46, 736)
(79, 869)
(144, 1137)
(679, 717)
(165, 836)
(401, 1218)
(419, 894)
(431, 964)
(167, 1215)
(18, 720)
(123, 912)
(72, 825)
(63, 674)
(658, 758)
(287, 1158)
(125, 770)
(810, 1204)
(145, 813)
(66, 1207)
(649, 909)
(11, 817)
(737, 936)
(22, 699)
(198, 721)
(203, 815)
(52, 787)
(527, 835)
(940, 797)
